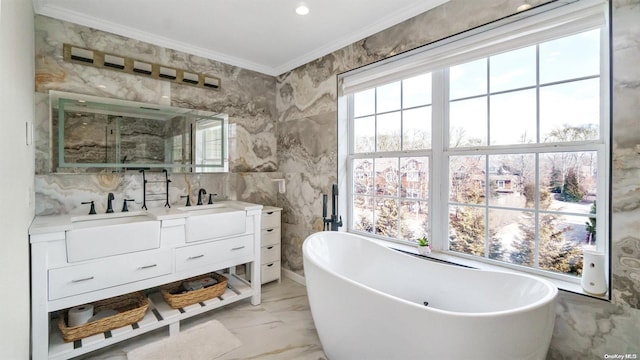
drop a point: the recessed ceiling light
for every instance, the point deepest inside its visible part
(523, 7)
(302, 9)
(102, 86)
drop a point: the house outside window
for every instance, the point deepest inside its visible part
(507, 150)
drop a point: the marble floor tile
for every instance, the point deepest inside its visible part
(280, 328)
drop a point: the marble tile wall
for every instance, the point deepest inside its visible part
(247, 97)
(306, 100)
(62, 193)
(626, 153)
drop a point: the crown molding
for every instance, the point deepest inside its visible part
(118, 29)
(390, 20)
(394, 18)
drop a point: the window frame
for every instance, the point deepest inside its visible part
(440, 152)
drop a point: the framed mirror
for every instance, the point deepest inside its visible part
(93, 134)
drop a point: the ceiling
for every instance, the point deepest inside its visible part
(262, 35)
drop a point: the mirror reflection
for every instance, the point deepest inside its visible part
(92, 134)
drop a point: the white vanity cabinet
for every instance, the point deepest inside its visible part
(58, 284)
(271, 244)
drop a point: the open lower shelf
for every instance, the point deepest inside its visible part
(158, 314)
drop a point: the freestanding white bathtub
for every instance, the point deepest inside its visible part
(367, 302)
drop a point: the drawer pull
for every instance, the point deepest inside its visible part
(270, 213)
(237, 248)
(195, 257)
(81, 280)
(147, 267)
(270, 265)
(269, 247)
(270, 230)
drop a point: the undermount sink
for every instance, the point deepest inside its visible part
(96, 236)
(213, 221)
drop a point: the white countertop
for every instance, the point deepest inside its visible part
(57, 223)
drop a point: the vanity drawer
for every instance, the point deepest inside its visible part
(270, 272)
(270, 219)
(108, 272)
(270, 236)
(270, 254)
(210, 253)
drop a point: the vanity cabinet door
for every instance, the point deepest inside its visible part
(108, 272)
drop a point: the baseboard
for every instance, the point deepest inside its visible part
(294, 276)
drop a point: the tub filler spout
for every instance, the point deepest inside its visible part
(335, 221)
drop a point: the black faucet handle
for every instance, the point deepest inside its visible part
(124, 204)
(92, 211)
(211, 198)
(188, 200)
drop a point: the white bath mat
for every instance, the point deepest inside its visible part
(202, 342)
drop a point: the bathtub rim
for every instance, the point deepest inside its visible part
(550, 297)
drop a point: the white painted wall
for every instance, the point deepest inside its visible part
(16, 173)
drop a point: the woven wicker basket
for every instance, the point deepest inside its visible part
(131, 308)
(177, 301)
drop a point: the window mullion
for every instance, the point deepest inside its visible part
(401, 116)
(375, 120)
(438, 191)
(486, 163)
(397, 197)
(350, 142)
(604, 177)
(486, 207)
(374, 197)
(536, 215)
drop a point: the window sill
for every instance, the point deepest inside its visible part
(460, 261)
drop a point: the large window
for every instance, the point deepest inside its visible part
(509, 151)
(391, 188)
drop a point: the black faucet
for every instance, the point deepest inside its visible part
(188, 199)
(335, 221)
(211, 198)
(200, 193)
(110, 198)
